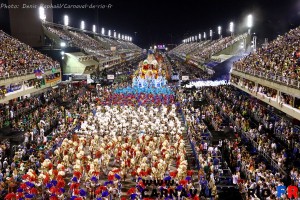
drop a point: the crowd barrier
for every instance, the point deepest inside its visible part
(270, 76)
(273, 163)
(188, 136)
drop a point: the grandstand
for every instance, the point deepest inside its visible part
(271, 74)
(201, 54)
(24, 70)
(204, 50)
(101, 51)
(117, 127)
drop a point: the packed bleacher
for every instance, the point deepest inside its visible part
(86, 143)
(263, 159)
(195, 73)
(278, 62)
(217, 46)
(17, 58)
(98, 46)
(203, 50)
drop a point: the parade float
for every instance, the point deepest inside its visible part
(150, 77)
(151, 72)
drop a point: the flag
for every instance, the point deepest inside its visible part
(38, 74)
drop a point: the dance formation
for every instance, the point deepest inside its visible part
(125, 137)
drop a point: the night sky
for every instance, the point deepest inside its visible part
(166, 22)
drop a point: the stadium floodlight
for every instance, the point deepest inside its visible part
(62, 53)
(199, 36)
(249, 21)
(219, 30)
(82, 25)
(62, 44)
(210, 34)
(119, 35)
(204, 36)
(66, 20)
(94, 28)
(109, 33)
(130, 39)
(192, 38)
(42, 13)
(115, 34)
(166, 48)
(102, 31)
(196, 38)
(231, 27)
(155, 47)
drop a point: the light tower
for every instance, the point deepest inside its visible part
(66, 20)
(249, 23)
(82, 25)
(220, 32)
(231, 28)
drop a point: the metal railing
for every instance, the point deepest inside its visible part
(264, 153)
(270, 76)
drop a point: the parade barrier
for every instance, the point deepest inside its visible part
(189, 138)
(253, 142)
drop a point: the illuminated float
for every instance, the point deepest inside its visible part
(149, 78)
(151, 73)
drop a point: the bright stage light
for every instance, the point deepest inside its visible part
(62, 44)
(102, 31)
(94, 28)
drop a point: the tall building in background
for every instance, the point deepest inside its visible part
(25, 23)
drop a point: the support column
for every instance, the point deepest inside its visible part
(278, 96)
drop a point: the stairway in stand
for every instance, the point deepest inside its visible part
(190, 157)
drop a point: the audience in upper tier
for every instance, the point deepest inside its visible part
(98, 46)
(280, 58)
(17, 58)
(203, 50)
